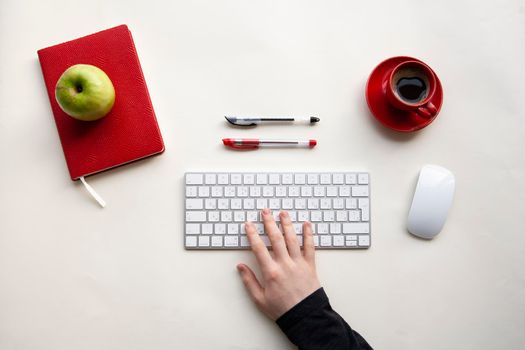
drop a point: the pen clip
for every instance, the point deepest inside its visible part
(242, 143)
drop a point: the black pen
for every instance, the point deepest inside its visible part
(249, 121)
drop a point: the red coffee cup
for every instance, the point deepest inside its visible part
(410, 87)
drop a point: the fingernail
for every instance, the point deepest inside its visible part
(284, 214)
(266, 211)
(240, 267)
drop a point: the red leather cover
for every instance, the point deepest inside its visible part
(130, 131)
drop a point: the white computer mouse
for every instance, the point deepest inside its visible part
(431, 202)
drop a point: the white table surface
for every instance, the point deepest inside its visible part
(75, 276)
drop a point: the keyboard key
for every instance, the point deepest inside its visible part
(364, 241)
(300, 179)
(362, 179)
(204, 191)
(303, 215)
(344, 191)
(280, 191)
(216, 241)
(249, 179)
(236, 203)
(262, 179)
(194, 203)
(239, 216)
(326, 179)
(359, 191)
(244, 241)
(216, 191)
(322, 229)
(242, 191)
(223, 203)
(313, 203)
(267, 191)
(226, 216)
(210, 179)
(229, 191)
(204, 241)
(306, 191)
(273, 179)
(274, 203)
(338, 179)
(316, 241)
(255, 191)
(319, 191)
(210, 203)
(300, 203)
(248, 203)
(252, 216)
(335, 227)
(233, 229)
(194, 179)
(193, 229)
(195, 216)
(331, 191)
(191, 241)
(326, 203)
(207, 229)
(350, 243)
(220, 229)
(316, 216)
(312, 179)
(364, 205)
(350, 179)
(236, 179)
(294, 191)
(223, 179)
(351, 203)
(339, 241)
(261, 203)
(329, 215)
(214, 216)
(353, 215)
(341, 215)
(356, 227)
(338, 203)
(326, 241)
(287, 179)
(287, 203)
(298, 228)
(191, 191)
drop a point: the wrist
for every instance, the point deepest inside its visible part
(302, 309)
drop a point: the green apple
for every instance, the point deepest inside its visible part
(85, 92)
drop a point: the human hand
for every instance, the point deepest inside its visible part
(288, 276)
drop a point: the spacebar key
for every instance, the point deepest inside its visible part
(195, 216)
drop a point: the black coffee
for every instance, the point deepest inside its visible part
(411, 89)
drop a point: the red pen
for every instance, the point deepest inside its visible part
(256, 143)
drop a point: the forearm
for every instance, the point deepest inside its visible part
(313, 324)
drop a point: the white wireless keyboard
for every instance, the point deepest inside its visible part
(218, 204)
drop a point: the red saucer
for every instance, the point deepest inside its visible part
(387, 115)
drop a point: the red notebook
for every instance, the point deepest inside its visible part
(130, 131)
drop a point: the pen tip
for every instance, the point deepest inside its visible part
(314, 119)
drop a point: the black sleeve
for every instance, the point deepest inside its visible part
(312, 324)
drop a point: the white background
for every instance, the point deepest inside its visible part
(75, 276)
